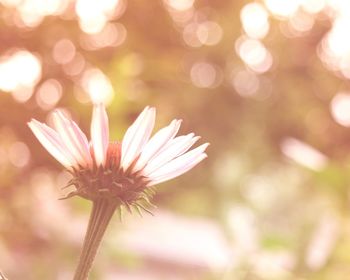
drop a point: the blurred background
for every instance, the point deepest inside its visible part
(265, 82)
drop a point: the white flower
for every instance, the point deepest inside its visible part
(122, 170)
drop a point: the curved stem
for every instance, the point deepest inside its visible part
(101, 214)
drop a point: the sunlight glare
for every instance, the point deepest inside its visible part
(22, 94)
(254, 54)
(98, 86)
(254, 19)
(282, 8)
(32, 12)
(112, 35)
(94, 15)
(313, 6)
(180, 5)
(340, 108)
(19, 70)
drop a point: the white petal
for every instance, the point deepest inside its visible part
(129, 134)
(179, 161)
(157, 142)
(84, 143)
(100, 133)
(174, 148)
(73, 138)
(176, 140)
(52, 143)
(137, 136)
(179, 165)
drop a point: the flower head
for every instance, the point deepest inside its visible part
(119, 171)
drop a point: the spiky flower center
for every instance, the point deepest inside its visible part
(112, 182)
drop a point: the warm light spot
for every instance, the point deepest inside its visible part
(111, 35)
(334, 49)
(93, 15)
(303, 154)
(20, 70)
(93, 26)
(265, 65)
(246, 83)
(76, 66)
(181, 18)
(190, 35)
(22, 94)
(206, 33)
(254, 54)
(32, 12)
(204, 75)
(340, 108)
(63, 51)
(44, 7)
(98, 86)
(338, 6)
(302, 22)
(49, 93)
(313, 6)
(345, 68)
(19, 154)
(337, 43)
(282, 8)
(28, 68)
(180, 5)
(254, 19)
(209, 33)
(11, 3)
(251, 51)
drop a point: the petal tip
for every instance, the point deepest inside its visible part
(152, 111)
(33, 122)
(206, 145)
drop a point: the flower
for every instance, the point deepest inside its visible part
(115, 174)
(123, 171)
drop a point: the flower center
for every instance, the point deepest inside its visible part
(111, 181)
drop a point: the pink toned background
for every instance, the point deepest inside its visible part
(265, 82)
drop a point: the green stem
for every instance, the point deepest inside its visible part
(102, 212)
